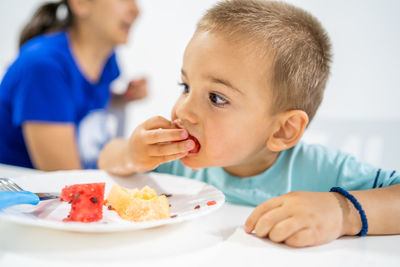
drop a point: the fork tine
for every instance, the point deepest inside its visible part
(14, 185)
(10, 185)
(2, 188)
(2, 185)
(11, 188)
(7, 187)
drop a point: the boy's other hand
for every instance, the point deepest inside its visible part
(299, 219)
(157, 141)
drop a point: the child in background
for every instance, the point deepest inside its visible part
(56, 93)
(253, 77)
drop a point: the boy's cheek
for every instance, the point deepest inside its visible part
(173, 114)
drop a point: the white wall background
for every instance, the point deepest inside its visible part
(362, 95)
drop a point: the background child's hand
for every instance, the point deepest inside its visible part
(156, 141)
(299, 218)
(137, 89)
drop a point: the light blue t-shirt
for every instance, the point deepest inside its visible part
(304, 167)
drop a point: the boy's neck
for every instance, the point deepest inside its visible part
(253, 167)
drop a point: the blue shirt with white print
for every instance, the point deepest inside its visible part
(44, 84)
(304, 167)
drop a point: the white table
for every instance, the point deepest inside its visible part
(212, 240)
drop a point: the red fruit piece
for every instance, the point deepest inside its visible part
(196, 144)
(178, 124)
(86, 201)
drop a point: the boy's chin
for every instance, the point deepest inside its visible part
(191, 163)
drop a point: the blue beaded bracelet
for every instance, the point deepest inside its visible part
(357, 205)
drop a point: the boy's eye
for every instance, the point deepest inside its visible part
(215, 99)
(218, 100)
(186, 87)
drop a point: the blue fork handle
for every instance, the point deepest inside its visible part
(11, 198)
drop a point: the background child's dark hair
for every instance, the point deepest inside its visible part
(46, 20)
(295, 41)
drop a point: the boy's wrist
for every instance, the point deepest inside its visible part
(351, 223)
(127, 159)
(115, 158)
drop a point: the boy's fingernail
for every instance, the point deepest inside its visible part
(184, 134)
(189, 144)
(247, 229)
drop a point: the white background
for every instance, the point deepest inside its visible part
(360, 109)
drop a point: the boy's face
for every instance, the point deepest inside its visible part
(225, 103)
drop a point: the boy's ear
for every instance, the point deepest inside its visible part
(289, 129)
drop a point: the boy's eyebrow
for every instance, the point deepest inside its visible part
(224, 82)
(218, 80)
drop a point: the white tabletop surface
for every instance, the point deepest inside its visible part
(217, 239)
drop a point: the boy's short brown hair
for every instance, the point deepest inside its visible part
(298, 44)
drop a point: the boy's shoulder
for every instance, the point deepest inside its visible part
(311, 152)
(317, 167)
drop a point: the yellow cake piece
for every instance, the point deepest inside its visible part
(138, 205)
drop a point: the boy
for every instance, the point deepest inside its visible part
(253, 77)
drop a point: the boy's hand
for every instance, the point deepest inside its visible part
(156, 141)
(299, 219)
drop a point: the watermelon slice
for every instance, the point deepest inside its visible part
(86, 202)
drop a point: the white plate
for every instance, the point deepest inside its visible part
(186, 194)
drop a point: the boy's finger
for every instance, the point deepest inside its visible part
(303, 238)
(285, 228)
(168, 158)
(158, 122)
(171, 148)
(268, 220)
(259, 211)
(165, 135)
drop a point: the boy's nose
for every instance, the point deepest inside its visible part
(186, 110)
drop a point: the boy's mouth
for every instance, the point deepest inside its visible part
(178, 123)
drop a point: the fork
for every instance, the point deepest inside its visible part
(12, 194)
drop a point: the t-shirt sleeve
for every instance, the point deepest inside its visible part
(164, 168)
(355, 175)
(42, 94)
(174, 167)
(319, 168)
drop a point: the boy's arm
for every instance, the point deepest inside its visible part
(382, 208)
(304, 218)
